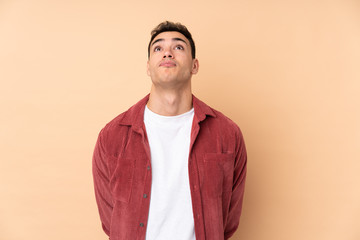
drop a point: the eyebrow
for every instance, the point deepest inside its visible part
(173, 39)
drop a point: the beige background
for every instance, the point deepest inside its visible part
(286, 71)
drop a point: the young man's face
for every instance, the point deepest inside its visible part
(170, 63)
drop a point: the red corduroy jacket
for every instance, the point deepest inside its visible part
(217, 171)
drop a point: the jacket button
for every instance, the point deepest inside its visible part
(148, 167)
(145, 195)
(141, 224)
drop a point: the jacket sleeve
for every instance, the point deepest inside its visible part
(238, 188)
(101, 184)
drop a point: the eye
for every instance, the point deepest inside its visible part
(179, 47)
(156, 49)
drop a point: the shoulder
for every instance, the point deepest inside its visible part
(115, 133)
(112, 134)
(225, 120)
(226, 126)
(215, 119)
(114, 124)
(131, 117)
(220, 131)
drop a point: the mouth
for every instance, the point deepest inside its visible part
(167, 64)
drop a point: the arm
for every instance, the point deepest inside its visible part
(238, 188)
(101, 184)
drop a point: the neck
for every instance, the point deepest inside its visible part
(169, 103)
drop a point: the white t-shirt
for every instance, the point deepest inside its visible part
(170, 213)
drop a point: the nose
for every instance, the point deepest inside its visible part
(167, 53)
(167, 56)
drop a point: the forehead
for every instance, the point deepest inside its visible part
(168, 36)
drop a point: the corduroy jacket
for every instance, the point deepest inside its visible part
(122, 174)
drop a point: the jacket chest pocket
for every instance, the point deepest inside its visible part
(217, 173)
(122, 179)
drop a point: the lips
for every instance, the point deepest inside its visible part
(167, 63)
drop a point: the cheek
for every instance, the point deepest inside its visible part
(151, 69)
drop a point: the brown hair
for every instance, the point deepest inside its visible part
(168, 26)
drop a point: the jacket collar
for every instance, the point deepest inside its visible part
(134, 116)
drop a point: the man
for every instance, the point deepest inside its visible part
(170, 167)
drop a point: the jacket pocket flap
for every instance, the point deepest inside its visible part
(220, 157)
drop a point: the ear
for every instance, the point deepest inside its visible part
(147, 68)
(195, 67)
